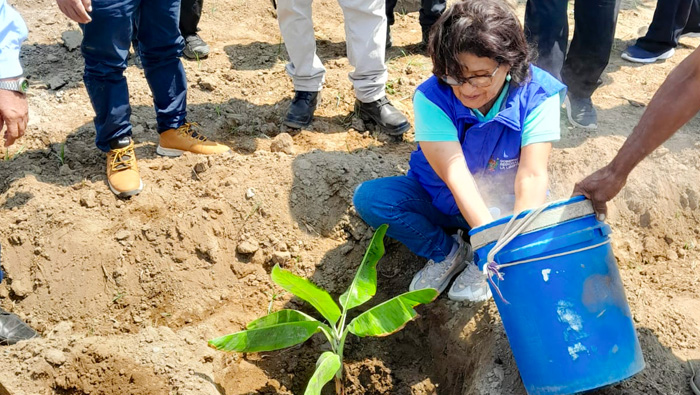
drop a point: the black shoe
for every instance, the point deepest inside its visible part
(12, 329)
(195, 47)
(389, 43)
(383, 114)
(581, 112)
(301, 110)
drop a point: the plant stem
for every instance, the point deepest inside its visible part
(338, 349)
(339, 387)
(341, 348)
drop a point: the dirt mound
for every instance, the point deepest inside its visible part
(126, 293)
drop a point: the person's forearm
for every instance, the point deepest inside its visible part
(530, 191)
(471, 204)
(447, 160)
(676, 101)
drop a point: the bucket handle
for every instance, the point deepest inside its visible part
(553, 244)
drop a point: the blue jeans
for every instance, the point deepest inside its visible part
(672, 18)
(105, 48)
(403, 204)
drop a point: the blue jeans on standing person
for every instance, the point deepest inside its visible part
(672, 18)
(105, 48)
(403, 204)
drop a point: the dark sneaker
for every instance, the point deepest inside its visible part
(384, 115)
(636, 54)
(195, 47)
(13, 329)
(301, 110)
(581, 112)
(389, 43)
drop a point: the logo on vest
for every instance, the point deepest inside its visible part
(502, 164)
(493, 164)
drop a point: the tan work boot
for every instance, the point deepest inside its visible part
(173, 142)
(122, 173)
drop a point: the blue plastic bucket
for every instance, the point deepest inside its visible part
(566, 317)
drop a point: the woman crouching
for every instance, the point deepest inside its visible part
(484, 123)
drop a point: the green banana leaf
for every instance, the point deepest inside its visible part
(364, 286)
(326, 367)
(269, 338)
(280, 317)
(392, 315)
(307, 291)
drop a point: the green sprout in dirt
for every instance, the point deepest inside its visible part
(9, 157)
(61, 155)
(286, 328)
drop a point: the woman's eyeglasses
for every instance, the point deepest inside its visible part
(477, 81)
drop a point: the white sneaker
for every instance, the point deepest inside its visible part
(470, 285)
(438, 274)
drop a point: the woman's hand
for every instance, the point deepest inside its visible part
(447, 159)
(531, 178)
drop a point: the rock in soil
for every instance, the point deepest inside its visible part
(247, 247)
(283, 142)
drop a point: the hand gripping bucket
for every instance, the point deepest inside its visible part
(560, 296)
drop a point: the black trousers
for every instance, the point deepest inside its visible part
(430, 11)
(190, 13)
(547, 28)
(672, 18)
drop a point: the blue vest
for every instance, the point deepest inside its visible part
(491, 148)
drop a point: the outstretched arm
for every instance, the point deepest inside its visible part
(676, 101)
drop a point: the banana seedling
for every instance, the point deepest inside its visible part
(286, 328)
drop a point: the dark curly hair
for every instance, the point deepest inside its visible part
(485, 28)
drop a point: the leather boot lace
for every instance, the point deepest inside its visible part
(187, 131)
(123, 158)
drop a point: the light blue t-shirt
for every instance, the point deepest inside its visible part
(432, 124)
(12, 32)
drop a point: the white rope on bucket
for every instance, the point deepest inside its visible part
(510, 232)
